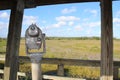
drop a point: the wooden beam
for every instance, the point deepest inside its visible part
(116, 73)
(7, 4)
(60, 70)
(51, 2)
(4, 4)
(77, 62)
(106, 40)
(13, 41)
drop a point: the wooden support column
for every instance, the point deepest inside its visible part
(60, 70)
(116, 73)
(13, 41)
(106, 40)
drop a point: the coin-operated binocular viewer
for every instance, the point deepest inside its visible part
(35, 40)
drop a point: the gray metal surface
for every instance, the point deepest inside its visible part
(33, 37)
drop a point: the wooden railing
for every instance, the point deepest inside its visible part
(76, 62)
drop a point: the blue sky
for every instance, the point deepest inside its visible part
(65, 20)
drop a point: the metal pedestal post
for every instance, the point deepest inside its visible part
(35, 39)
(36, 73)
(36, 66)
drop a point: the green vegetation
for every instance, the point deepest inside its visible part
(2, 46)
(72, 38)
(71, 48)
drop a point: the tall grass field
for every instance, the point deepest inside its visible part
(86, 49)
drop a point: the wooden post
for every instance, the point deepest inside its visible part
(106, 40)
(13, 41)
(60, 69)
(116, 72)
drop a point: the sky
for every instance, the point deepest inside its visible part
(65, 20)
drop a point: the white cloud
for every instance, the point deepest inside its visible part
(67, 18)
(78, 27)
(44, 21)
(3, 25)
(89, 31)
(118, 14)
(4, 15)
(86, 19)
(63, 21)
(59, 24)
(3, 29)
(92, 24)
(27, 20)
(116, 20)
(71, 23)
(69, 29)
(68, 10)
(93, 12)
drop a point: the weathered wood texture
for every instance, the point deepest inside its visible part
(56, 61)
(106, 40)
(7, 4)
(116, 72)
(76, 62)
(45, 77)
(60, 70)
(11, 63)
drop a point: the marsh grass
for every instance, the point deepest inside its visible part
(69, 49)
(2, 46)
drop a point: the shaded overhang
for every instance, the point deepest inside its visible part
(8, 4)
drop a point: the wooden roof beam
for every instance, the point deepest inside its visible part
(51, 2)
(7, 4)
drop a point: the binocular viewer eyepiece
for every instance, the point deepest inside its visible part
(34, 31)
(34, 38)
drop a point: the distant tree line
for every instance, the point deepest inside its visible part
(75, 38)
(68, 38)
(72, 38)
(1, 39)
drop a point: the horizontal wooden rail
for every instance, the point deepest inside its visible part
(76, 62)
(68, 61)
(62, 62)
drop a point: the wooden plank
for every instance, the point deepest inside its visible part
(7, 4)
(13, 41)
(106, 40)
(116, 73)
(46, 77)
(50, 77)
(77, 62)
(92, 63)
(60, 70)
(52, 2)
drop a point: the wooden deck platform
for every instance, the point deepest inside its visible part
(48, 77)
(60, 78)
